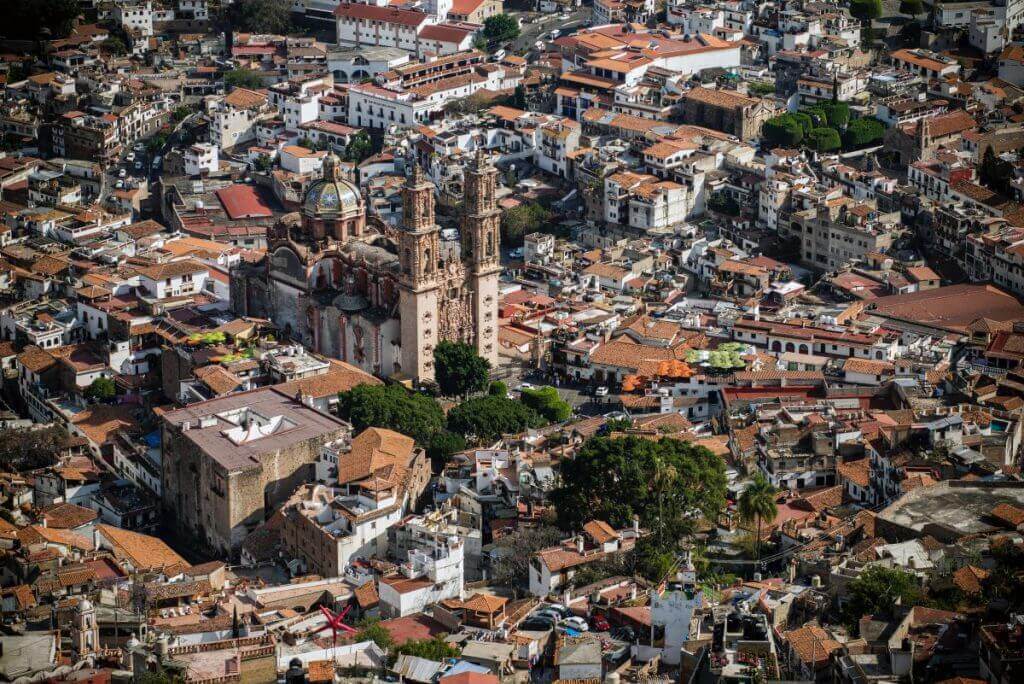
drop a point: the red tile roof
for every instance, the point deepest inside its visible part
(243, 201)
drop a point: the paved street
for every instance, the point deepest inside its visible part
(545, 23)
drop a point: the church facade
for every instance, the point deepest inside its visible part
(378, 296)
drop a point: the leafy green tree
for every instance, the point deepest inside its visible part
(723, 203)
(877, 591)
(490, 417)
(180, 113)
(866, 10)
(911, 7)
(370, 629)
(547, 402)
(101, 389)
(392, 407)
(243, 78)
(837, 114)
(360, 146)
(498, 389)
(668, 484)
(910, 33)
(757, 504)
(263, 163)
(436, 649)
(782, 131)
(261, 16)
(501, 28)
(1004, 580)
(115, 46)
(805, 121)
(824, 139)
(442, 445)
(863, 132)
(29, 448)
(521, 220)
(459, 370)
(760, 88)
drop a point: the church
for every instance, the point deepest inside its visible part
(381, 297)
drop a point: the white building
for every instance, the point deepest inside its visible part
(201, 158)
(431, 574)
(298, 159)
(370, 106)
(174, 279)
(233, 119)
(135, 16)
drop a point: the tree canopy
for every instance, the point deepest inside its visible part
(360, 146)
(442, 445)
(436, 649)
(863, 132)
(492, 416)
(392, 407)
(782, 131)
(370, 629)
(996, 173)
(547, 402)
(101, 389)
(824, 139)
(911, 7)
(877, 591)
(26, 20)
(757, 504)
(243, 78)
(521, 220)
(668, 484)
(866, 10)
(501, 28)
(261, 16)
(512, 553)
(29, 448)
(459, 370)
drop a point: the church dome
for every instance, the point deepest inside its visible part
(332, 195)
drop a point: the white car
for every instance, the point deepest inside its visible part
(130, 156)
(555, 33)
(122, 173)
(577, 623)
(138, 166)
(526, 386)
(601, 391)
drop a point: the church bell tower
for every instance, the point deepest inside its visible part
(419, 247)
(480, 249)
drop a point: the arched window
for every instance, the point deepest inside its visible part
(776, 346)
(790, 347)
(490, 244)
(428, 263)
(408, 262)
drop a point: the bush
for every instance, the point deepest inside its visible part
(498, 389)
(836, 113)
(823, 139)
(863, 132)
(782, 131)
(101, 389)
(547, 402)
(759, 88)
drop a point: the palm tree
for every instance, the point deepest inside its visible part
(756, 503)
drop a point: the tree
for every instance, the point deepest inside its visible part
(392, 407)
(471, 104)
(25, 20)
(866, 10)
(756, 504)
(360, 146)
(824, 139)
(263, 163)
(878, 590)
(498, 389)
(910, 33)
(668, 484)
(261, 16)
(243, 78)
(837, 114)
(761, 88)
(723, 203)
(436, 649)
(114, 45)
(995, 172)
(370, 629)
(490, 417)
(180, 113)
(30, 448)
(511, 567)
(442, 445)
(782, 131)
(501, 28)
(101, 389)
(520, 221)
(805, 121)
(459, 370)
(911, 7)
(863, 132)
(547, 402)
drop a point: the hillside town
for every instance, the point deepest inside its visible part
(512, 341)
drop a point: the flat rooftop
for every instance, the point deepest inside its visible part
(236, 429)
(955, 505)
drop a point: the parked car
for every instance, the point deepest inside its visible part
(516, 253)
(130, 156)
(559, 608)
(577, 623)
(499, 55)
(122, 173)
(538, 624)
(599, 623)
(138, 166)
(548, 613)
(526, 386)
(601, 391)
